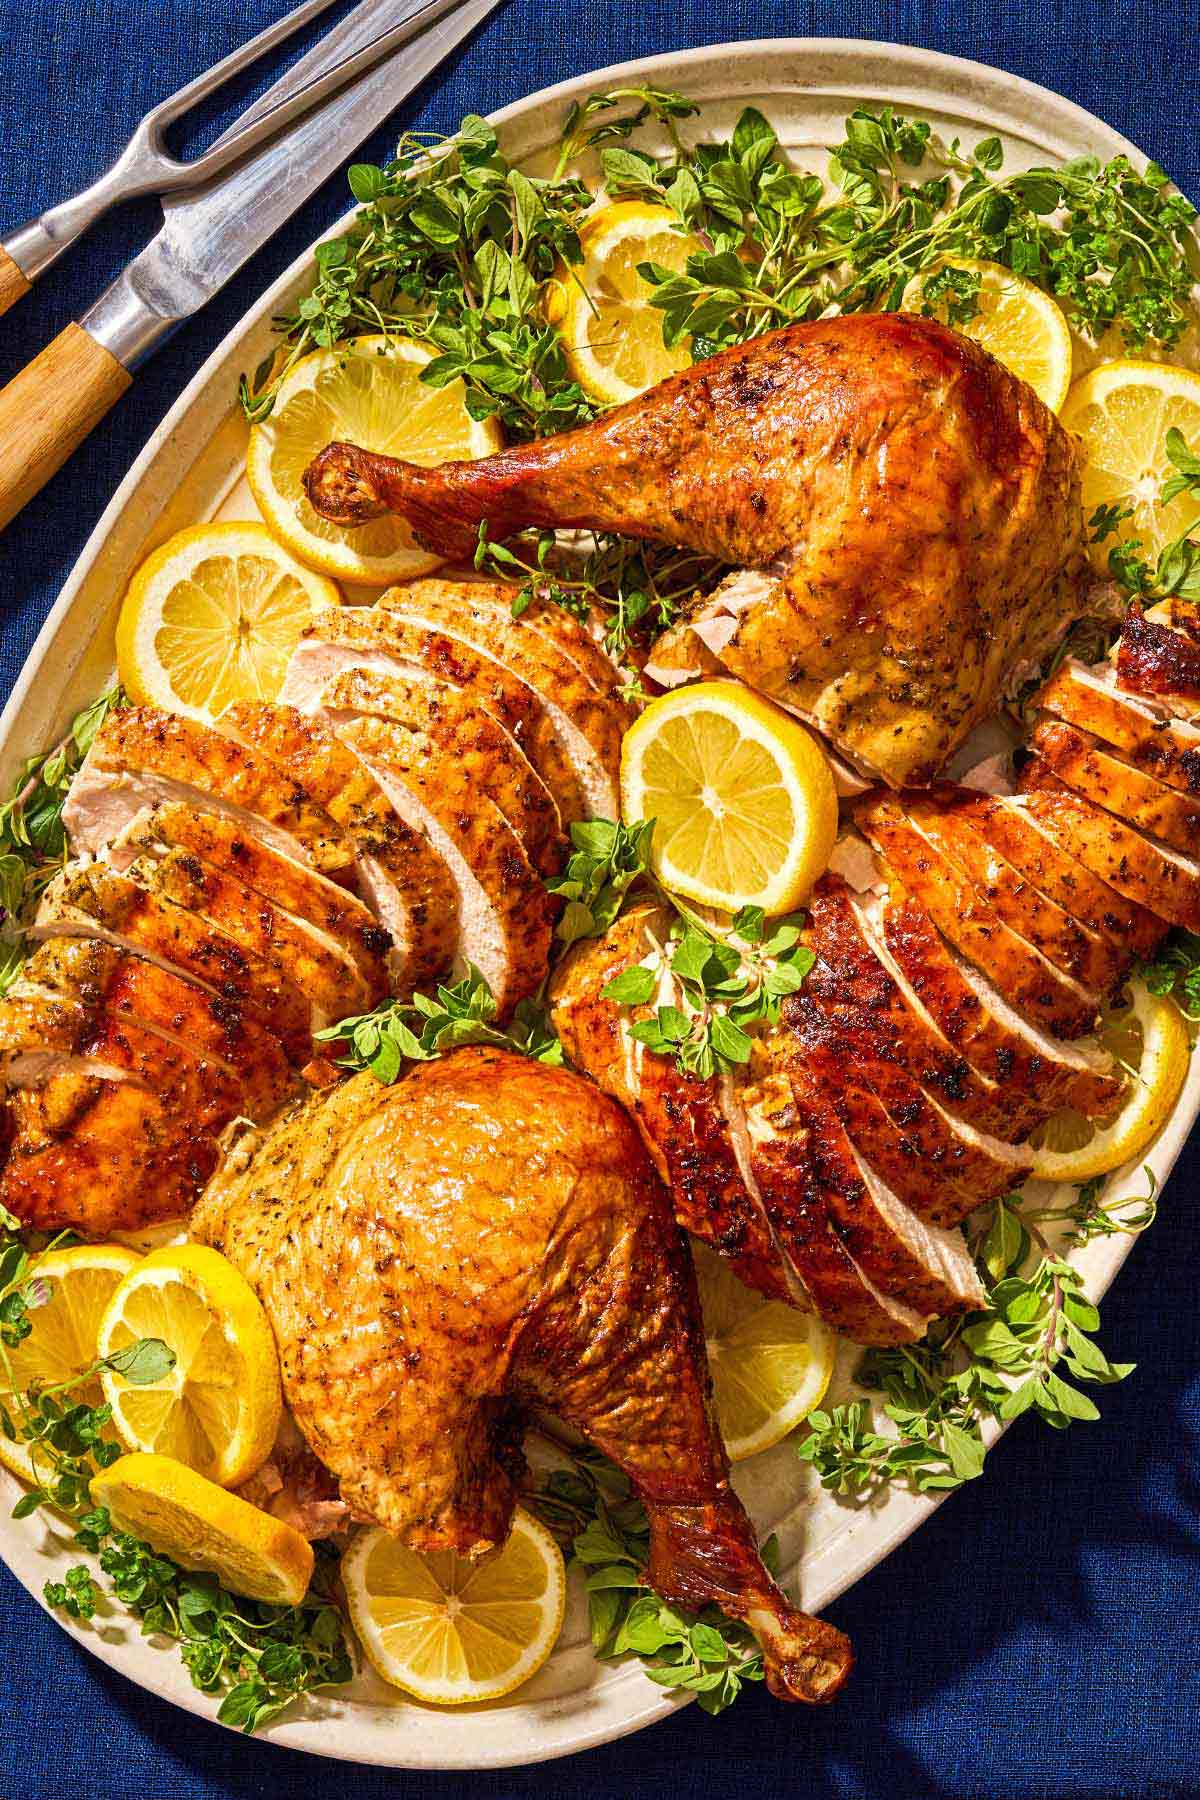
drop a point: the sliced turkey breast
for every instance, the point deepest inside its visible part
(1004, 825)
(94, 901)
(576, 637)
(1085, 765)
(141, 758)
(855, 969)
(321, 910)
(118, 990)
(686, 1121)
(400, 876)
(978, 1020)
(503, 909)
(959, 1166)
(924, 1266)
(1092, 963)
(587, 724)
(786, 1120)
(1021, 973)
(115, 1155)
(1137, 729)
(347, 638)
(1158, 655)
(453, 730)
(294, 950)
(1160, 879)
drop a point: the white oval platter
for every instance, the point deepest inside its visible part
(191, 470)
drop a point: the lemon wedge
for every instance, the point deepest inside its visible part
(218, 1409)
(770, 1363)
(449, 1629)
(198, 1525)
(1020, 325)
(1122, 412)
(75, 1287)
(742, 795)
(213, 617)
(1149, 1037)
(611, 334)
(367, 392)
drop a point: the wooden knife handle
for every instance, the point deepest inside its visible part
(49, 408)
(12, 283)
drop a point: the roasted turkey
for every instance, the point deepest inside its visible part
(441, 1260)
(242, 886)
(902, 513)
(950, 1007)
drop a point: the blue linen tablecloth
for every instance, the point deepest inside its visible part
(1038, 1640)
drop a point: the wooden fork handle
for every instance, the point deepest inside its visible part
(13, 285)
(49, 408)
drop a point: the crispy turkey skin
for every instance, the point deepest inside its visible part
(903, 513)
(487, 1237)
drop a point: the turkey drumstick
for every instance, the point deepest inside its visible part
(902, 513)
(440, 1258)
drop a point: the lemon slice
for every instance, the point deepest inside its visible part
(452, 1630)
(1122, 412)
(78, 1285)
(198, 1525)
(611, 334)
(218, 1409)
(212, 617)
(368, 392)
(1148, 1036)
(770, 1363)
(742, 796)
(1020, 325)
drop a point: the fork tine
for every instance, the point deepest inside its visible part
(176, 104)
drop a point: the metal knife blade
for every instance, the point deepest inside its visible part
(209, 233)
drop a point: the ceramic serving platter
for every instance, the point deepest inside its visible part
(191, 470)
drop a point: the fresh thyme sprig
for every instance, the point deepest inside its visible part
(1175, 971)
(602, 1527)
(33, 843)
(637, 588)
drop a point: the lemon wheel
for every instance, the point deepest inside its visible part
(76, 1286)
(770, 1363)
(367, 392)
(611, 335)
(218, 1409)
(212, 617)
(1020, 325)
(1149, 1038)
(1122, 413)
(452, 1630)
(741, 793)
(198, 1525)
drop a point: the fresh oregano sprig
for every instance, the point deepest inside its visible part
(33, 841)
(429, 1025)
(995, 1364)
(602, 1527)
(259, 1657)
(724, 986)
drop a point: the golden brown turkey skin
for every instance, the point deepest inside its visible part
(912, 506)
(487, 1237)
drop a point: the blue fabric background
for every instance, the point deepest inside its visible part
(1038, 1640)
